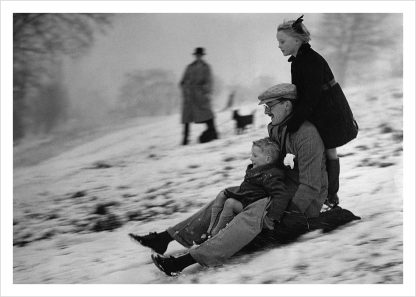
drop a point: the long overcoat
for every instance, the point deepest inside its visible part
(196, 87)
(320, 99)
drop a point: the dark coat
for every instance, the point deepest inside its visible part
(196, 87)
(319, 101)
(261, 182)
(307, 182)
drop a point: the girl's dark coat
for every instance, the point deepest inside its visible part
(260, 182)
(322, 104)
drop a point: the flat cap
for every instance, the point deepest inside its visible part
(280, 91)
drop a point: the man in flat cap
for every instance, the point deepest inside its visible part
(306, 183)
(196, 85)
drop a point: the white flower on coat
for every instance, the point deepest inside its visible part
(288, 160)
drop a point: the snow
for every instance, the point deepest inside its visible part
(150, 182)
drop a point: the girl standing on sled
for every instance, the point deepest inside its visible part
(320, 98)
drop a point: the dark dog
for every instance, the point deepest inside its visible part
(242, 121)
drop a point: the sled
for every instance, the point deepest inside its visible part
(288, 230)
(327, 221)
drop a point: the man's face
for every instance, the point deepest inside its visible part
(198, 56)
(277, 111)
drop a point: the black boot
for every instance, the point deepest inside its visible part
(210, 133)
(212, 129)
(333, 169)
(172, 266)
(156, 241)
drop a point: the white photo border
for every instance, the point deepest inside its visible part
(407, 8)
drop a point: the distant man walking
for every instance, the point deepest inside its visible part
(196, 87)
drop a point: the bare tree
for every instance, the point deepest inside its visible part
(50, 105)
(39, 39)
(352, 42)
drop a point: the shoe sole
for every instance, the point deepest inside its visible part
(135, 240)
(141, 243)
(160, 267)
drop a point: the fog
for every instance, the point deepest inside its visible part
(241, 49)
(102, 144)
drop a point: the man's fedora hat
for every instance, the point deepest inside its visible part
(199, 51)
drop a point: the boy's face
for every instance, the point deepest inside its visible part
(258, 158)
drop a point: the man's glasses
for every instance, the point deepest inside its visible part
(268, 107)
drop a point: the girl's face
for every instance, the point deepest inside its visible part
(258, 158)
(288, 45)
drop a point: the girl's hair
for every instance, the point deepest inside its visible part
(295, 28)
(268, 147)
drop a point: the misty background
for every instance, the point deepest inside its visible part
(97, 151)
(79, 72)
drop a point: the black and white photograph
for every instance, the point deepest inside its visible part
(168, 144)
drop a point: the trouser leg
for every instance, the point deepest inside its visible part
(237, 234)
(231, 208)
(333, 169)
(185, 133)
(217, 208)
(191, 229)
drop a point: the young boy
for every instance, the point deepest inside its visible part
(263, 179)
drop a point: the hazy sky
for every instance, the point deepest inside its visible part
(240, 47)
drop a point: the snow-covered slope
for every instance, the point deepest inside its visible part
(139, 179)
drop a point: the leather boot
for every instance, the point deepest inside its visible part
(172, 266)
(333, 169)
(156, 241)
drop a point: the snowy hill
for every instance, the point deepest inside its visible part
(72, 212)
